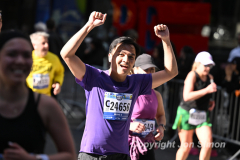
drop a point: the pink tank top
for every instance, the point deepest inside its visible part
(145, 107)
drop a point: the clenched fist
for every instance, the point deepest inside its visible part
(97, 18)
(162, 31)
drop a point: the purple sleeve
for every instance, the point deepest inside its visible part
(89, 77)
(146, 85)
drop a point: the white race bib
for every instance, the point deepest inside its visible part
(149, 127)
(197, 117)
(41, 81)
(116, 106)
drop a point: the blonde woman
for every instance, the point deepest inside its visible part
(193, 112)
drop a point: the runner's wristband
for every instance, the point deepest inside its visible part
(42, 157)
(162, 126)
(211, 81)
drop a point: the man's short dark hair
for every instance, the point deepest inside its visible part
(132, 34)
(124, 40)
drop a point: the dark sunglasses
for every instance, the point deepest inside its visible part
(209, 65)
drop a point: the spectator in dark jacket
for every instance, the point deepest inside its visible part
(54, 40)
(93, 52)
(231, 79)
(158, 55)
(185, 62)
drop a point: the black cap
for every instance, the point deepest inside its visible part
(235, 60)
(145, 61)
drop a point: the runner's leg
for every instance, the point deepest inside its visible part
(186, 144)
(204, 135)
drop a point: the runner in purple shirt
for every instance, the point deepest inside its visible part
(111, 94)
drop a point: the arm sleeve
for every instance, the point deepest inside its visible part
(146, 85)
(89, 77)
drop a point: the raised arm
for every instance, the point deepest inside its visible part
(68, 51)
(188, 91)
(170, 63)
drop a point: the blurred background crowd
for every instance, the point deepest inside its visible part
(195, 25)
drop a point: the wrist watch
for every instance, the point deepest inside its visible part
(162, 126)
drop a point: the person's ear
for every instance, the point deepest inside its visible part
(135, 70)
(34, 46)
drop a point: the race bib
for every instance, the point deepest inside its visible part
(149, 127)
(41, 81)
(116, 106)
(197, 117)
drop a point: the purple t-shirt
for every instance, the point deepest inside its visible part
(101, 136)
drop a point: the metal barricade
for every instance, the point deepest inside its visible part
(225, 117)
(172, 95)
